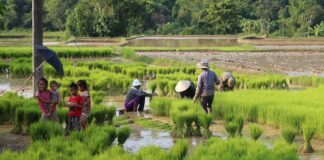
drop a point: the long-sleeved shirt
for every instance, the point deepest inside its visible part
(224, 79)
(133, 93)
(206, 84)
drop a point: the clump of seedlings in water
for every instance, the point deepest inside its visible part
(308, 134)
(179, 125)
(206, 121)
(289, 134)
(189, 118)
(110, 113)
(32, 115)
(255, 131)
(240, 124)
(197, 130)
(123, 134)
(19, 118)
(231, 128)
(179, 150)
(153, 86)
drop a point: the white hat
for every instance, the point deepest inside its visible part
(182, 86)
(203, 64)
(136, 82)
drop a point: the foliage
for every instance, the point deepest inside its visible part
(123, 134)
(289, 134)
(255, 131)
(45, 130)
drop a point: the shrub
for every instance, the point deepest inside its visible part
(308, 134)
(289, 134)
(123, 134)
(45, 130)
(255, 131)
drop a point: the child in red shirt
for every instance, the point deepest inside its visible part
(75, 103)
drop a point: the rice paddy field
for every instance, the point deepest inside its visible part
(271, 114)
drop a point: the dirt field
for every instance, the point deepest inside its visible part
(290, 63)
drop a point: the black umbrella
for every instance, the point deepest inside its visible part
(50, 58)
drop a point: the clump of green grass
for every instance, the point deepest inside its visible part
(231, 128)
(289, 134)
(111, 112)
(19, 119)
(44, 130)
(308, 134)
(206, 121)
(123, 134)
(255, 131)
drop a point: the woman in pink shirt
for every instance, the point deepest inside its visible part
(44, 98)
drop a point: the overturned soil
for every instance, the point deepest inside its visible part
(295, 63)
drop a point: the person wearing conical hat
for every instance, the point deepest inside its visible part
(185, 89)
(206, 86)
(135, 98)
(227, 82)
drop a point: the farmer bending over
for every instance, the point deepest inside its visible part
(135, 98)
(227, 82)
(186, 89)
(206, 86)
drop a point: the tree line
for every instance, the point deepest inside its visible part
(101, 18)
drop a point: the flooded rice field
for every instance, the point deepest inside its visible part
(301, 63)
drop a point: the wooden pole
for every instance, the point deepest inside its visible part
(37, 14)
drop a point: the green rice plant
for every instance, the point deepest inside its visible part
(153, 124)
(62, 114)
(197, 130)
(4, 110)
(99, 113)
(289, 134)
(153, 86)
(283, 150)
(180, 149)
(160, 106)
(308, 134)
(101, 138)
(171, 86)
(123, 134)
(44, 130)
(19, 119)
(240, 122)
(110, 114)
(253, 114)
(206, 121)
(231, 128)
(189, 117)
(31, 116)
(255, 131)
(178, 124)
(115, 153)
(97, 97)
(163, 87)
(145, 153)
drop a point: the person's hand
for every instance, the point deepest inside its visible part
(48, 114)
(194, 100)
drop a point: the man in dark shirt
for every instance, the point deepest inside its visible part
(135, 98)
(206, 86)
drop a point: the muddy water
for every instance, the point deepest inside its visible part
(12, 84)
(182, 42)
(290, 63)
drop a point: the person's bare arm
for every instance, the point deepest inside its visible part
(199, 88)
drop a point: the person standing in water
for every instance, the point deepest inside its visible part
(206, 86)
(135, 98)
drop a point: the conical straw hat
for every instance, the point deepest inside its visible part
(182, 86)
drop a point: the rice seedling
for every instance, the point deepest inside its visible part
(255, 131)
(283, 150)
(206, 121)
(231, 128)
(19, 119)
(97, 97)
(189, 117)
(160, 106)
(44, 130)
(99, 114)
(240, 124)
(153, 86)
(163, 87)
(62, 114)
(101, 139)
(308, 134)
(178, 124)
(32, 115)
(180, 149)
(153, 124)
(123, 134)
(289, 134)
(197, 130)
(146, 153)
(110, 113)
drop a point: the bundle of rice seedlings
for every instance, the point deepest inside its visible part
(197, 130)
(240, 124)
(180, 149)
(253, 114)
(32, 115)
(44, 130)
(308, 134)
(153, 86)
(62, 114)
(178, 124)
(19, 119)
(152, 152)
(255, 131)
(160, 106)
(206, 121)
(289, 134)
(111, 112)
(99, 114)
(163, 87)
(100, 139)
(231, 128)
(189, 118)
(123, 134)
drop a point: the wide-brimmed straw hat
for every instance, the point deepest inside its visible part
(231, 82)
(203, 64)
(136, 82)
(182, 86)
